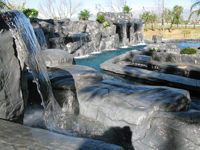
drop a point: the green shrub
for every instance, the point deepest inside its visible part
(153, 50)
(107, 25)
(126, 9)
(188, 51)
(100, 18)
(84, 15)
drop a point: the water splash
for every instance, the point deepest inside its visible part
(28, 50)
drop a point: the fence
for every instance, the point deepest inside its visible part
(178, 36)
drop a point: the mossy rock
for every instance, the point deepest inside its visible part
(188, 51)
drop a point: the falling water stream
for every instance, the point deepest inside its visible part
(28, 50)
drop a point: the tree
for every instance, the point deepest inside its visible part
(195, 13)
(30, 13)
(85, 14)
(175, 15)
(127, 9)
(153, 18)
(197, 3)
(116, 5)
(59, 8)
(149, 17)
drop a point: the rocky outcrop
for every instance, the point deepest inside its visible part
(13, 82)
(85, 37)
(157, 38)
(56, 57)
(164, 47)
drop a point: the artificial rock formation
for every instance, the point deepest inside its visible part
(85, 37)
(13, 82)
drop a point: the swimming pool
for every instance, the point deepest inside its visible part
(94, 61)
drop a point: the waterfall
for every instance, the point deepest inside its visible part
(79, 43)
(139, 38)
(123, 33)
(41, 38)
(132, 30)
(28, 50)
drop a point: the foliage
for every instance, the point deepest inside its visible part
(3, 4)
(153, 50)
(100, 18)
(106, 24)
(30, 13)
(126, 9)
(186, 32)
(188, 51)
(197, 3)
(195, 18)
(85, 14)
(175, 15)
(149, 17)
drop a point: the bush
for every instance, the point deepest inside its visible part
(188, 51)
(100, 18)
(85, 14)
(106, 24)
(153, 50)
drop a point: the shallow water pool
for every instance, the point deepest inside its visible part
(94, 61)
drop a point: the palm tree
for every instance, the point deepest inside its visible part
(197, 3)
(84, 14)
(197, 13)
(127, 9)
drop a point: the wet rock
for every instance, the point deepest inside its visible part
(66, 80)
(32, 138)
(47, 27)
(41, 38)
(13, 82)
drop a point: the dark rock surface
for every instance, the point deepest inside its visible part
(122, 65)
(13, 82)
(157, 38)
(32, 138)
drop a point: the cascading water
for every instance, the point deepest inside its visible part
(132, 30)
(41, 38)
(80, 40)
(123, 33)
(138, 35)
(28, 50)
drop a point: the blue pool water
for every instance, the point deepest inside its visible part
(94, 61)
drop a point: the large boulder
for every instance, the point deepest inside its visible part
(13, 82)
(56, 57)
(66, 80)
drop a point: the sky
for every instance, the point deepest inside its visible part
(136, 5)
